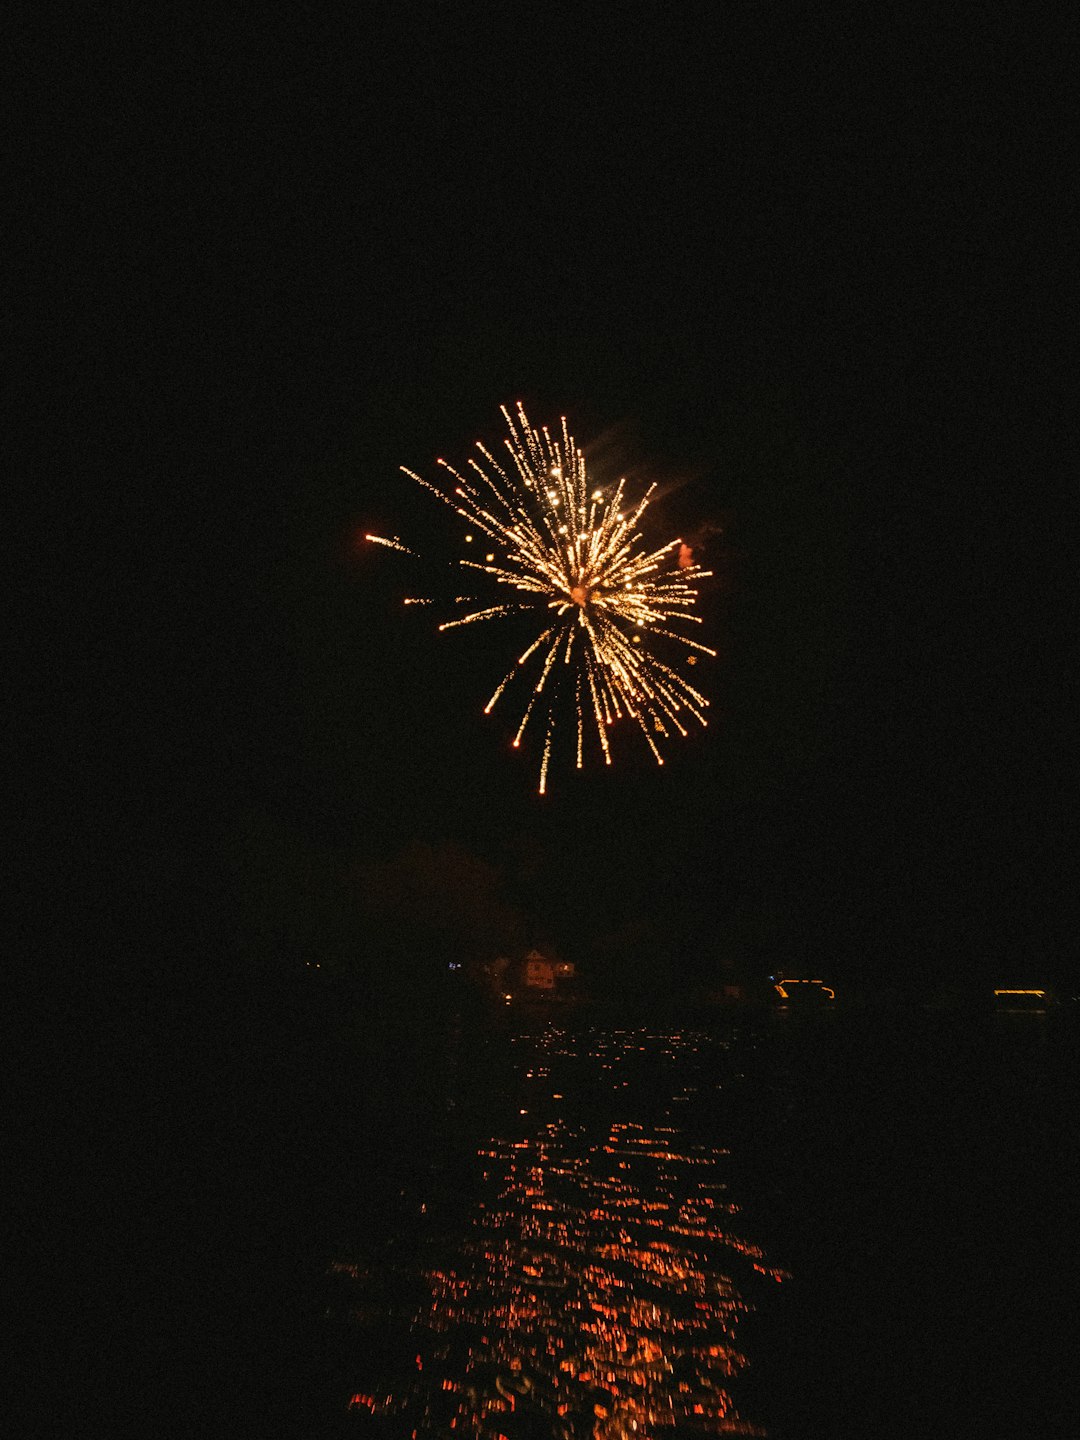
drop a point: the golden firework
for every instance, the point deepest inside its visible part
(574, 555)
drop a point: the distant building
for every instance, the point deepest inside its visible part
(539, 972)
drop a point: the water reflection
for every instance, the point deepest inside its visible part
(595, 1282)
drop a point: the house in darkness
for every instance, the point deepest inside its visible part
(538, 971)
(541, 973)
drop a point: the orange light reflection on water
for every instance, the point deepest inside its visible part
(599, 1286)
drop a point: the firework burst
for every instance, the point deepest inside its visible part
(573, 556)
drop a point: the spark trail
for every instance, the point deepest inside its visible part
(574, 556)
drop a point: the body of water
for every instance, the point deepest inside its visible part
(583, 1223)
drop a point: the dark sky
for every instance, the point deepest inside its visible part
(803, 266)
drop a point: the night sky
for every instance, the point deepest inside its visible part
(800, 266)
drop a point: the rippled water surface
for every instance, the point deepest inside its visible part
(590, 1270)
(575, 1224)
